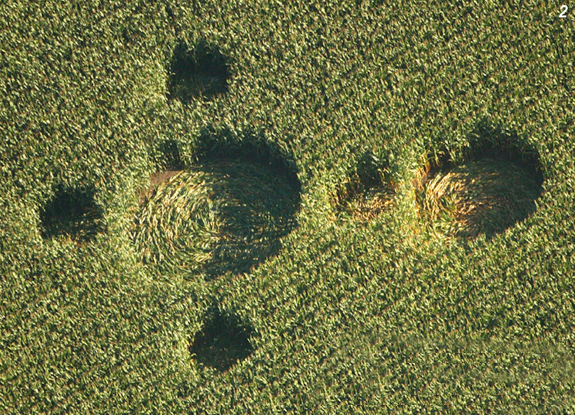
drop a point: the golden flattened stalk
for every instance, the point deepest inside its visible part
(483, 196)
(219, 216)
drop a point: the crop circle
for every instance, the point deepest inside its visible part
(219, 216)
(72, 212)
(480, 196)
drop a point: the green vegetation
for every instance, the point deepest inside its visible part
(232, 207)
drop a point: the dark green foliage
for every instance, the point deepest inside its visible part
(342, 316)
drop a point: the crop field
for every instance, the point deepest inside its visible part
(304, 207)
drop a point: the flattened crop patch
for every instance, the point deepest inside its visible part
(71, 212)
(218, 216)
(483, 196)
(221, 343)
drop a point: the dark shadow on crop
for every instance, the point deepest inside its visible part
(169, 163)
(485, 189)
(251, 147)
(171, 155)
(200, 71)
(367, 192)
(73, 212)
(221, 343)
(255, 208)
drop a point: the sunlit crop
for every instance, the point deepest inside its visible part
(235, 207)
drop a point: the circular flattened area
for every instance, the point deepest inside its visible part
(222, 342)
(483, 196)
(220, 216)
(72, 212)
(367, 192)
(201, 71)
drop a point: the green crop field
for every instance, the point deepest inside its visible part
(341, 207)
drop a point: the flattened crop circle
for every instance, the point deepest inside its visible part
(216, 217)
(484, 196)
(72, 212)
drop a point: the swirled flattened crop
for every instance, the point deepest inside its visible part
(217, 217)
